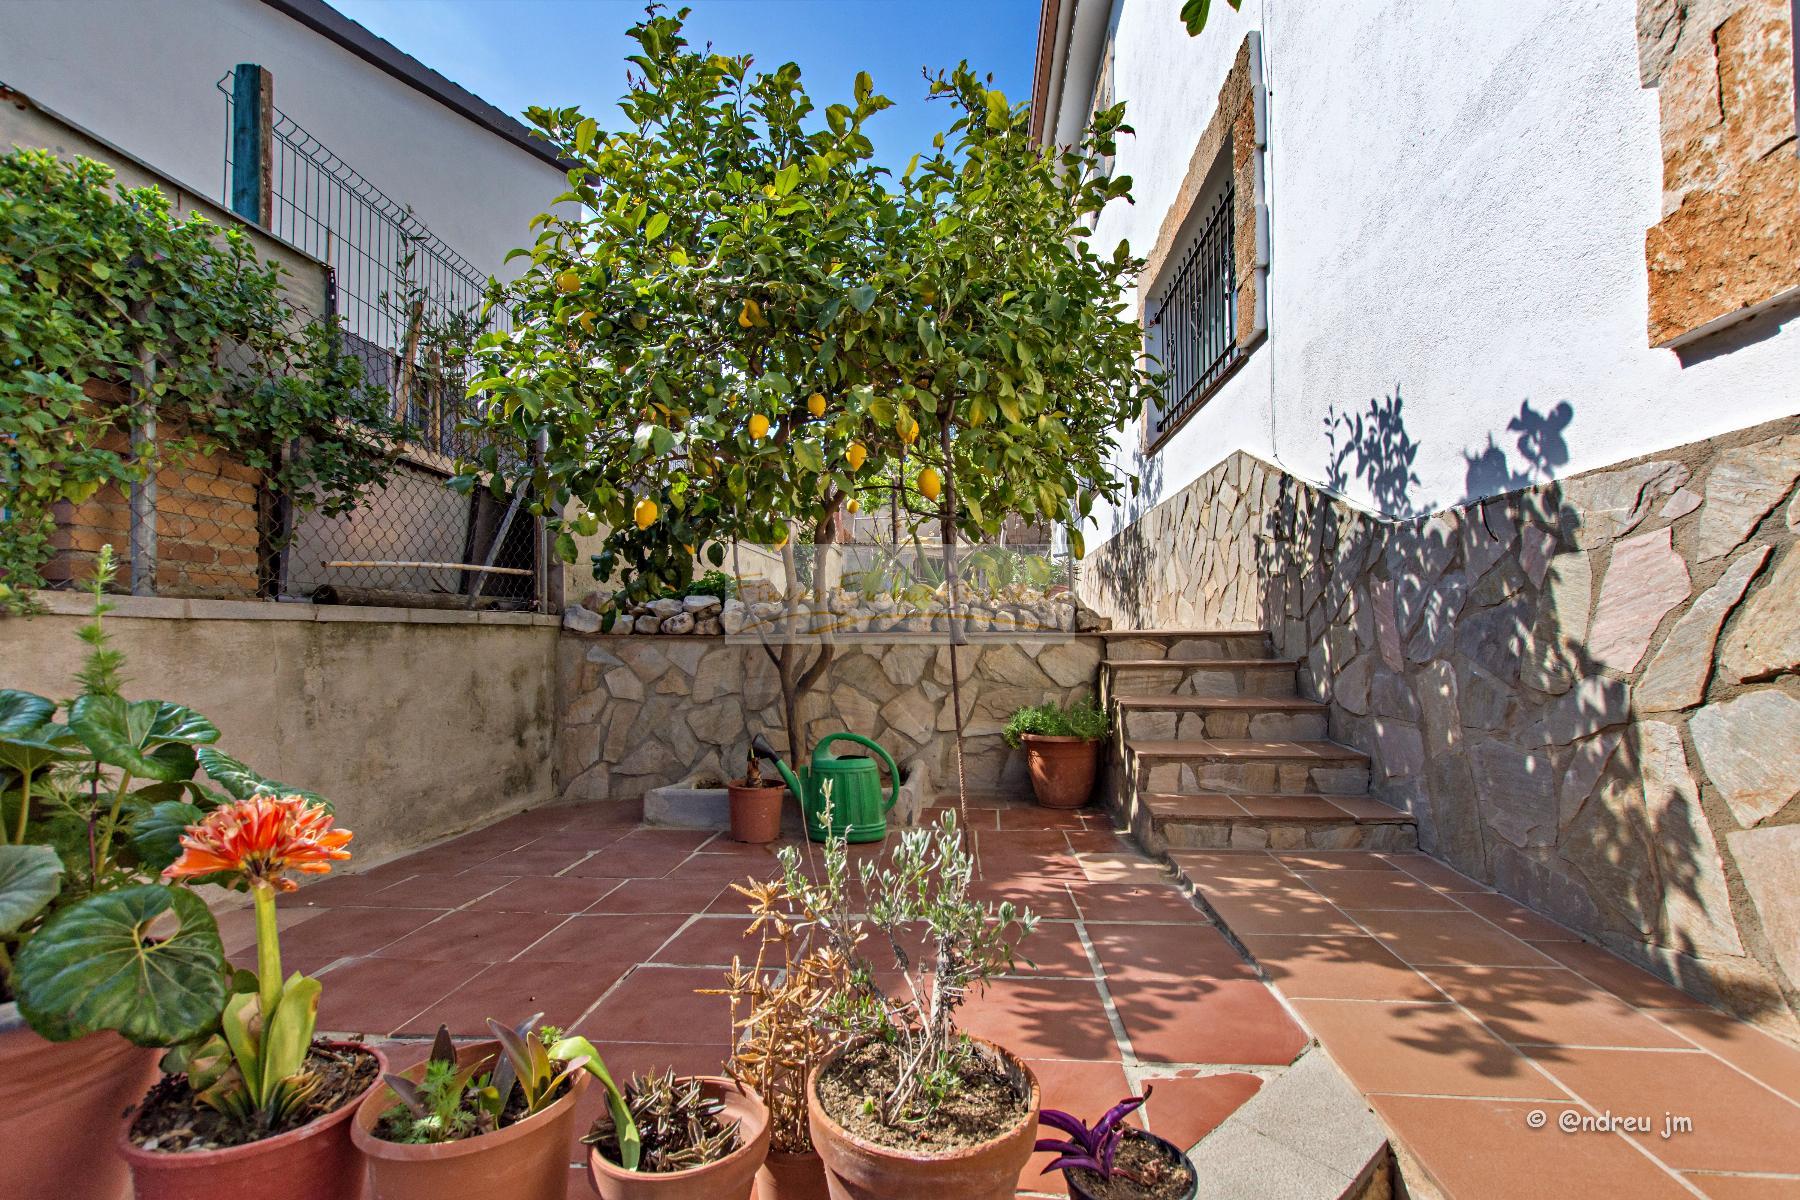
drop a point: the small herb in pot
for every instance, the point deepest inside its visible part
(679, 1125)
(1082, 719)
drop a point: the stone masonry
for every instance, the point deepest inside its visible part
(1585, 692)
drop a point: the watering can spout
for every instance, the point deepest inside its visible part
(759, 746)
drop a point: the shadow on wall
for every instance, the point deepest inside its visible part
(1129, 555)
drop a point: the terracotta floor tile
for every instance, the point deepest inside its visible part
(624, 860)
(1038, 818)
(1632, 984)
(1337, 968)
(1333, 860)
(1209, 1018)
(1184, 1109)
(659, 1004)
(338, 891)
(1746, 1187)
(237, 924)
(1458, 938)
(1138, 904)
(473, 937)
(1358, 890)
(1433, 873)
(1516, 919)
(1485, 1149)
(1099, 841)
(1142, 953)
(441, 891)
(1235, 869)
(349, 933)
(1291, 808)
(1042, 1018)
(1277, 910)
(1549, 1006)
(510, 992)
(1739, 1125)
(682, 896)
(532, 861)
(1121, 867)
(1086, 1089)
(540, 894)
(669, 839)
(376, 995)
(1211, 807)
(614, 939)
(1774, 1062)
(1053, 950)
(1048, 898)
(708, 942)
(1421, 1049)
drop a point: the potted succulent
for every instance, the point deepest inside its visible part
(492, 1119)
(695, 1138)
(755, 805)
(1062, 749)
(778, 1006)
(257, 1103)
(101, 962)
(1111, 1160)
(910, 1106)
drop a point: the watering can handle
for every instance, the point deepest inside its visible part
(859, 739)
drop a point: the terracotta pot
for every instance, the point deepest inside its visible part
(58, 1100)
(755, 812)
(1075, 1178)
(317, 1161)
(526, 1161)
(859, 1170)
(730, 1178)
(1062, 769)
(792, 1177)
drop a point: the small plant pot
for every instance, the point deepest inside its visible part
(1062, 769)
(57, 1099)
(317, 1160)
(730, 1178)
(860, 1170)
(1080, 1181)
(755, 812)
(528, 1160)
(792, 1177)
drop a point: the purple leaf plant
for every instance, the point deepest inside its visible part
(1088, 1148)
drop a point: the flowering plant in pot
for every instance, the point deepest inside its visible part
(693, 1138)
(1111, 1160)
(491, 1119)
(910, 1106)
(257, 1102)
(102, 962)
(1062, 749)
(755, 804)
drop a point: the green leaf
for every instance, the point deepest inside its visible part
(244, 783)
(862, 297)
(287, 1036)
(653, 228)
(109, 963)
(23, 712)
(584, 135)
(156, 836)
(152, 739)
(30, 878)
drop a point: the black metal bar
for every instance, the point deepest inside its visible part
(1197, 312)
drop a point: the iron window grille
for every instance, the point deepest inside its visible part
(1195, 316)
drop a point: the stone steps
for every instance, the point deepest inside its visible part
(1218, 677)
(1182, 717)
(1243, 765)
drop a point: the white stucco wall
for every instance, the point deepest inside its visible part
(140, 73)
(1458, 197)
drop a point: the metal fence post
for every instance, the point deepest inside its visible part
(143, 491)
(252, 115)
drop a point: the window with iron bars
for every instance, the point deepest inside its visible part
(1192, 330)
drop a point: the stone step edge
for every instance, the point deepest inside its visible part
(1166, 635)
(1284, 704)
(1150, 800)
(1221, 750)
(1198, 664)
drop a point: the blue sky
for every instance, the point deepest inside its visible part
(513, 53)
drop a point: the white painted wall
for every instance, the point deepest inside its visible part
(1458, 198)
(140, 73)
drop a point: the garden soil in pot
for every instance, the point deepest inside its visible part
(985, 1105)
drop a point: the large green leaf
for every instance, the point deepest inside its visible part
(22, 712)
(30, 877)
(156, 836)
(109, 962)
(152, 739)
(243, 783)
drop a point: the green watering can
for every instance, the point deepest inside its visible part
(858, 809)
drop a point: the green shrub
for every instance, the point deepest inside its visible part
(1082, 719)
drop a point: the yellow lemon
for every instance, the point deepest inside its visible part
(759, 427)
(586, 320)
(853, 507)
(645, 513)
(907, 428)
(567, 281)
(689, 547)
(855, 455)
(930, 483)
(815, 404)
(751, 314)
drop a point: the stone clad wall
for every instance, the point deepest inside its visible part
(1584, 691)
(642, 712)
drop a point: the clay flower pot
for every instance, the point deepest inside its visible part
(57, 1101)
(730, 1178)
(1075, 1179)
(859, 1170)
(317, 1161)
(792, 1177)
(755, 812)
(525, 1161)
(1062, 769)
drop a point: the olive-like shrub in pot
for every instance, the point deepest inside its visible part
(911, 1106)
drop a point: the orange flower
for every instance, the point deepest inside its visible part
(261, 838)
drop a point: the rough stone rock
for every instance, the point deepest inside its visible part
(700, 605)
(1568, 583)
(1437, 621)
(1744, 486)
(596, 601)
(1516, 792)
(1765, 641)
(857, 711)
(1390, 697)
(1696, 901)
(732, 617)
(1069, 664)
(599, 655)
(1400, 749)
(1537, 545)
(1769, 861)
(622, 623)
(665, 608)
(710, 626)
(577, 619)
(1596, 703)
(1387, 625)
(1747, 748)
(622, 683)
(1682, 502)
(1645, 579)
(1610, 846)
(905, 663)
(648, 623)
(1351, 686)
(720, 723)
(1587, 762)
(1609, 504)
(651, 757)
(681, 622)
(911, 715)
(1676, 677)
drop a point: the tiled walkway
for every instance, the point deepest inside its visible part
(1465, 1019)
(609, 927)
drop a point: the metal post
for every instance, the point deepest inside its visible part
(143, 491)
(252, 141)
